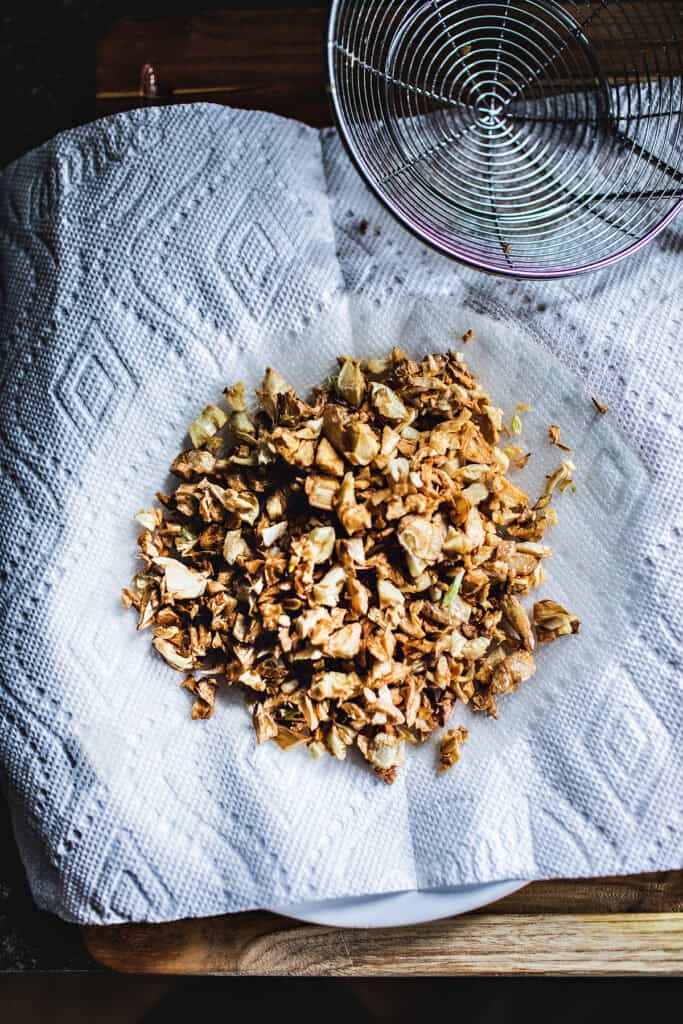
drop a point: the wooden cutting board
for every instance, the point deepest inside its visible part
(274, 60)
(616, 926)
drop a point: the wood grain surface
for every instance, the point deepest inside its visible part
(628, 925)
(255, 59)
(475, 944)
(274, 60)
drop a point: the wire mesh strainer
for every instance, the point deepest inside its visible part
(526, 137)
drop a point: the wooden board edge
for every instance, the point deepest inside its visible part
(475, 944)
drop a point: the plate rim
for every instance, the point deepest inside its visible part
(398, 909)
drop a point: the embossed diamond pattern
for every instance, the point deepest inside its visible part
(154, 257)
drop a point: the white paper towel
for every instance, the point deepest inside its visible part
(148, 260)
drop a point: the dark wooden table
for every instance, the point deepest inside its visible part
(255, 59)
(274, 60)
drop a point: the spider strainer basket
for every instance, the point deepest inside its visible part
(523, 137)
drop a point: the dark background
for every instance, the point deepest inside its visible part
(47, 71)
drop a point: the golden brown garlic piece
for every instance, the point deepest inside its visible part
(449, 748)
(552, 621)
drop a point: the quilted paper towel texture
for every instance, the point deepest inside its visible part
(148, 260)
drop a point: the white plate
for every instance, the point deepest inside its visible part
(399, 908)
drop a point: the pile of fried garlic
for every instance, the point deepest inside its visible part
(355, 564)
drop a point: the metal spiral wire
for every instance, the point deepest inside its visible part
(526, 137)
